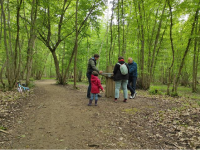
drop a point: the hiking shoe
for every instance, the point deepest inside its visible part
(125, 101)
(134, 95)
(115, 100)
(90, 103)
(131, 97)
(95, 103)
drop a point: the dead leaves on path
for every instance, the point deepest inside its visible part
(9, 105)
(180, 127)
(171, 125)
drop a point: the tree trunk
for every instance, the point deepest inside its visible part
(1, 78)
(111, 33)
(76, 44)
(156, 42)
(172, 47)
(31, 42)
(123, 45)
(150, 41)
(56, 62)
(195, 64)
(118, 8)
(142, 49)
(16, 71)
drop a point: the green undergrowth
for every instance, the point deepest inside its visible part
(3, 128)
(182, 91)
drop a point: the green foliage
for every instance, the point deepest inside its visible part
(198, 102)
(155, 91)
(3, 128)
(174, 94)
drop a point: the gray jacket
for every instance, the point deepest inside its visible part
(92, 66)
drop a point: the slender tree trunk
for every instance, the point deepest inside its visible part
(111, 33)
(76, 45)
(156, 42)
(157, 53)
(195, 64)
(9, 31)
(172, 47)
(63, 60)
(17, 41)
(123, 22)
(142, 48)
(31, 42)
(150, 41)
(118, 8)
(1, 72)
(56, 62)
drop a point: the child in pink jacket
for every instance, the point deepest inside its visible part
(95, 86)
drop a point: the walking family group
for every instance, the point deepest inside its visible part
(124, 75)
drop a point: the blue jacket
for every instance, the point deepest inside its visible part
(133, 69)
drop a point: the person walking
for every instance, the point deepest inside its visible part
(90, 68)
(121, 76)
(132, 77)
(96, 85)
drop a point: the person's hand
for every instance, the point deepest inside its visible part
(100, 72)
(103, 90)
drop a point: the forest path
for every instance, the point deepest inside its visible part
(58, 117)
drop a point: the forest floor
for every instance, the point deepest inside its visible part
(57, 117)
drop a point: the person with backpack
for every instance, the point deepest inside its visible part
(92, 67)
(121, 76)
(132, 77)
(96, 85)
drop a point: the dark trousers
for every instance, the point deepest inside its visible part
(132, 84)
(89, 87)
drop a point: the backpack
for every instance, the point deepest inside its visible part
(123, 69)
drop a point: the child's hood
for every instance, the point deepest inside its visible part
(94, 78)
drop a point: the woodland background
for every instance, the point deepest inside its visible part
(54, 39)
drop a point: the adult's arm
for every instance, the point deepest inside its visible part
(128, 68)
(131, 69)
(93, 66)
(116, 69)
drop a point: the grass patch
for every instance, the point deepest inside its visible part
(3, 128)
(198, 102)
(131, 111)
(182, 91)
(155, 91)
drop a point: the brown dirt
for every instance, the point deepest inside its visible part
(58, 117)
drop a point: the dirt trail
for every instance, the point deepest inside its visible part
(58, 117)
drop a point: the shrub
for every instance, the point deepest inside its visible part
(174, 94)
(154, 91)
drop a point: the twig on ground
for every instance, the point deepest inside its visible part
(4, 131)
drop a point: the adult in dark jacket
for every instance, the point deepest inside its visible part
(132, 77)
(120, 79)
(92, 67)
